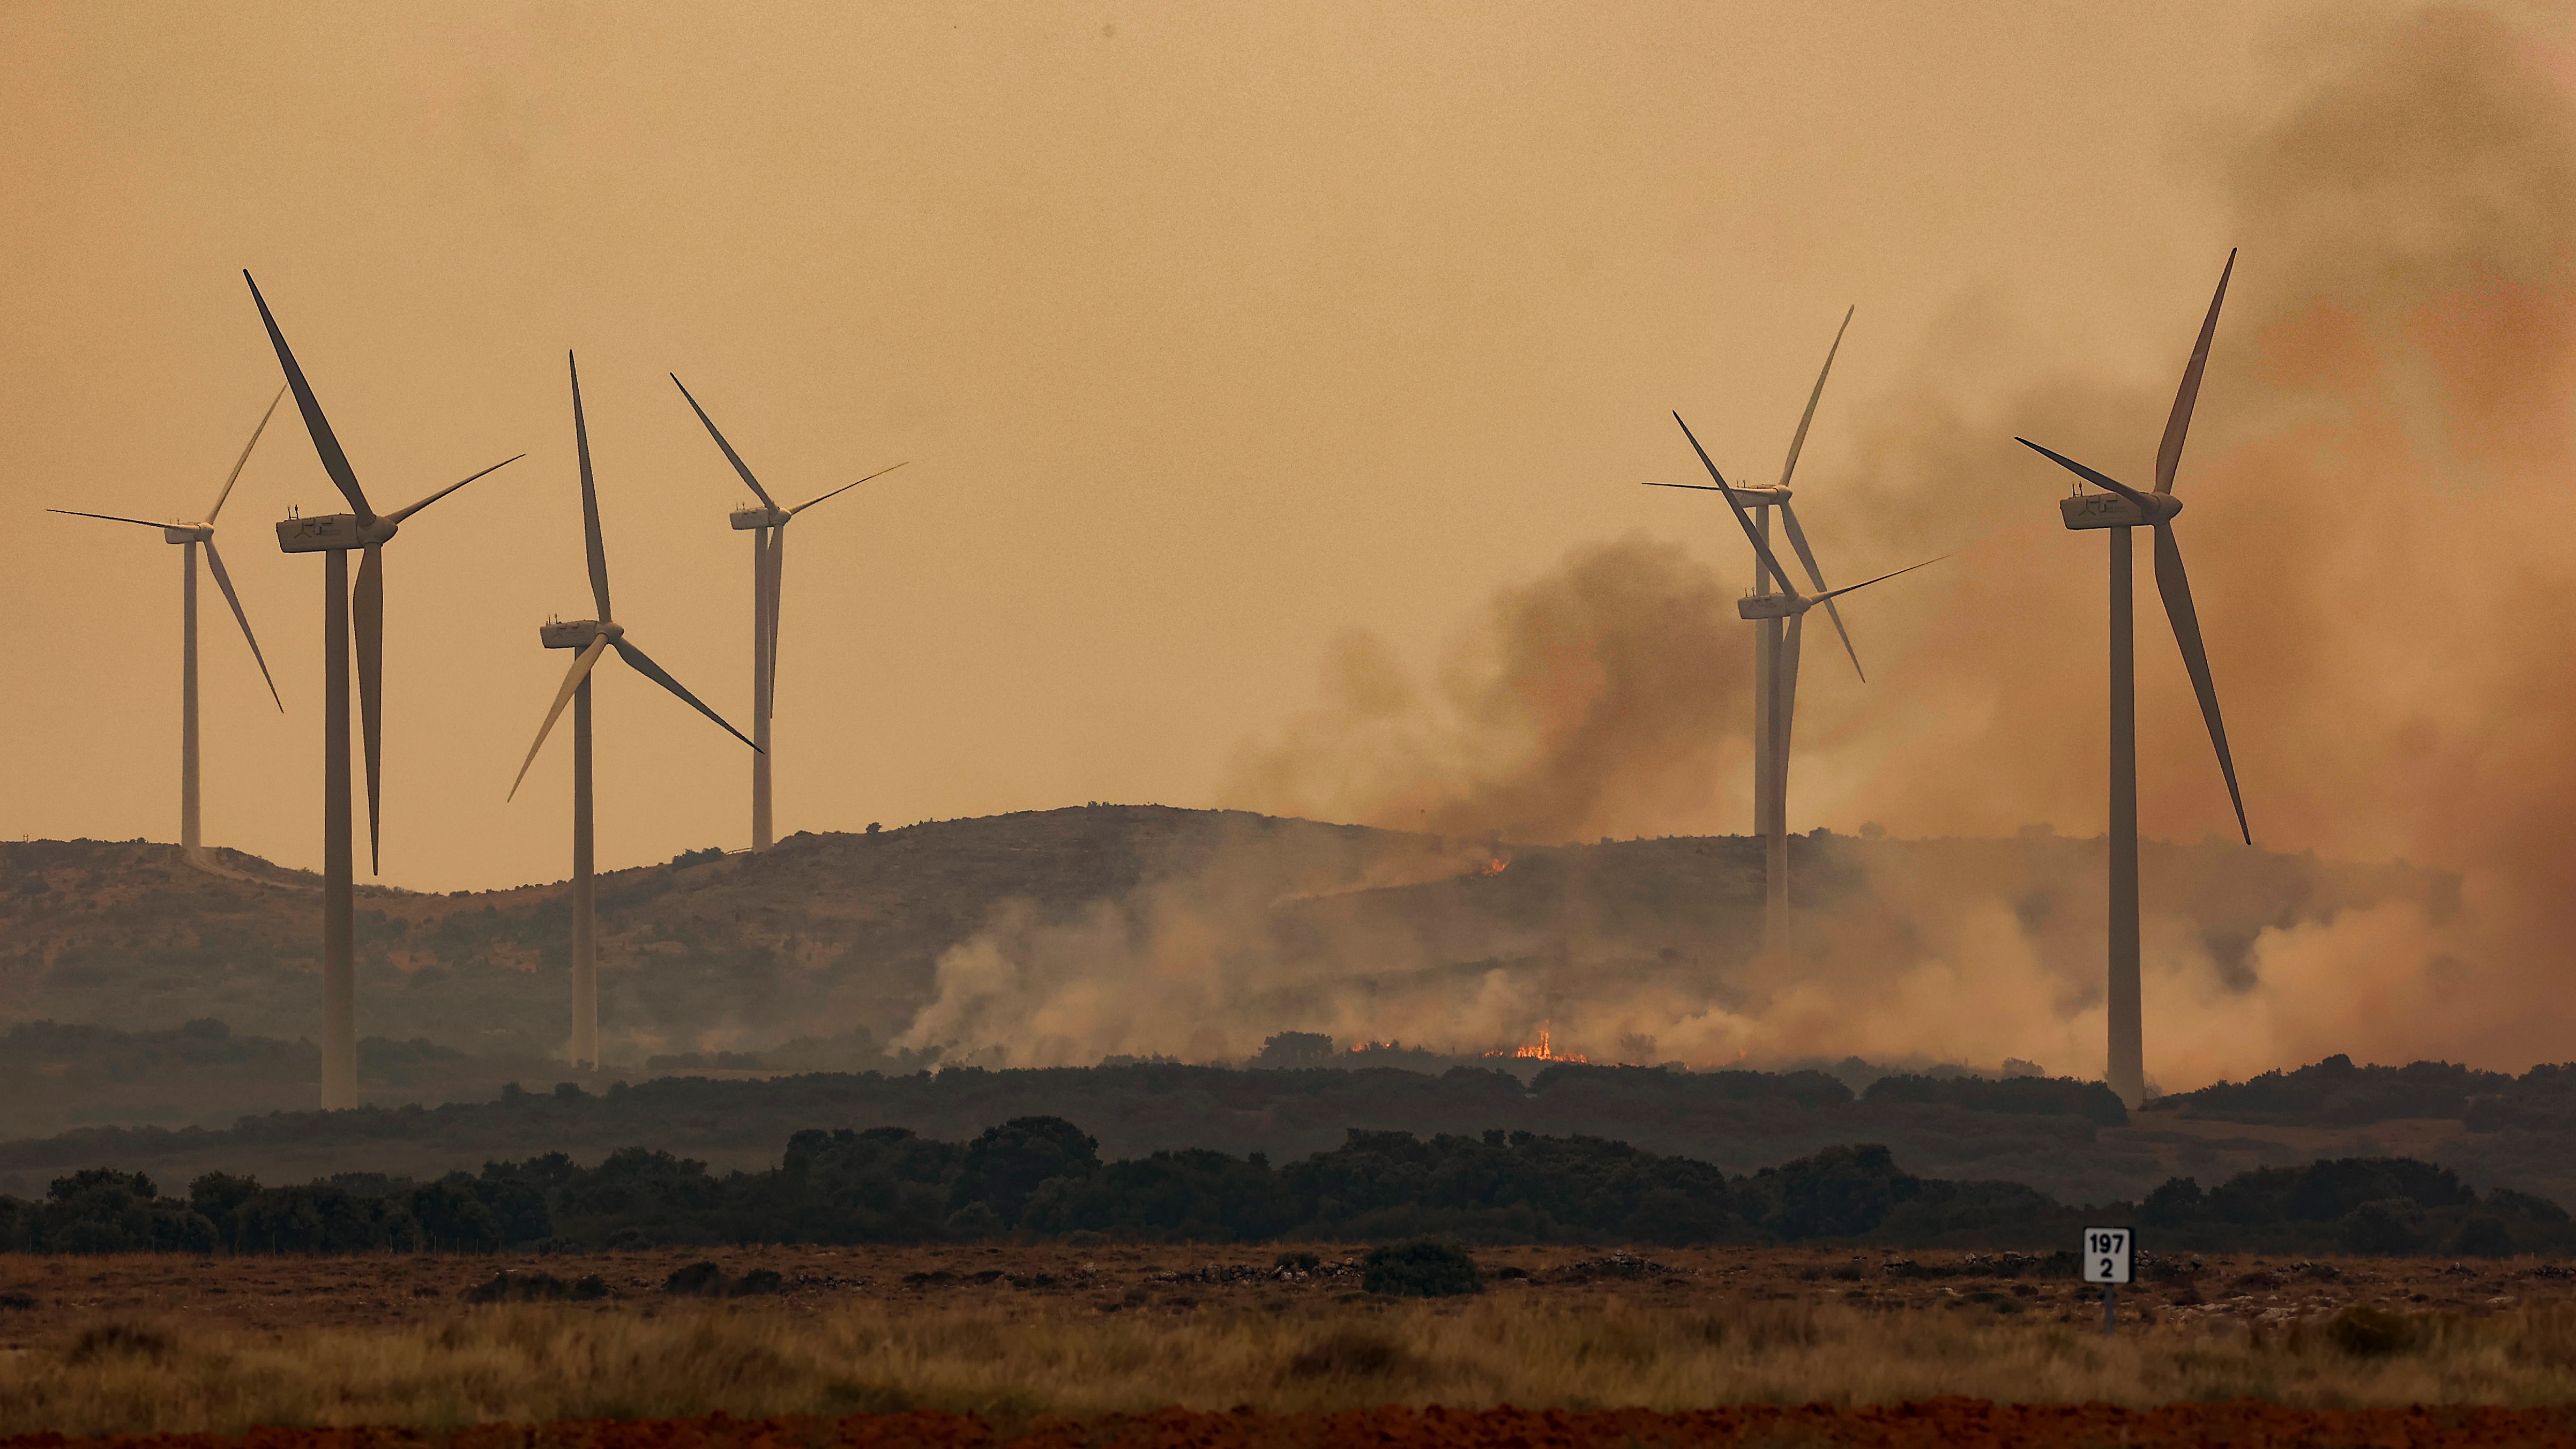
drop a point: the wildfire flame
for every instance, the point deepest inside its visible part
(1544, 1050)
(1495, 866)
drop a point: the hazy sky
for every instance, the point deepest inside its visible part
(1210, 333)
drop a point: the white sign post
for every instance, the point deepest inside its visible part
(2106, 1261)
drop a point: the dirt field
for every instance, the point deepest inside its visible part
(1936, 1424)
(45, 1296)
(1063, 1346)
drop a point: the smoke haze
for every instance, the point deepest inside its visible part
(1230, 344)
(2375, 529)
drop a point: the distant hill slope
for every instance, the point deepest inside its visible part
(838, 935)
(708, 952)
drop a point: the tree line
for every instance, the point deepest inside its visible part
(1042, 1178)
(2337, 1093)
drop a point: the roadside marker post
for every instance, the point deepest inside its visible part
(2107, 1252)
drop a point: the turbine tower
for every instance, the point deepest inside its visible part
(333, 536)
(767, 523)
(1787, 608)
(592, 637)
(190, 536)
(1775, 664)
(2119, 510)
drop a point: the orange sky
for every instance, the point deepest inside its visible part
(1210, 333)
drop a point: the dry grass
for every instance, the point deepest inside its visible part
(533, 1364)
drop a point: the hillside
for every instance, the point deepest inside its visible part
(835, 938)
(703, 953)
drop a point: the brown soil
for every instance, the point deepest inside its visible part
(1947, 1423)
(39, 1295)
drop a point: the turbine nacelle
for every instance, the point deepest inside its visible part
(576, 633)
(332, 532)
(1772, 606)
(187, 533)
(1760, 495)
(2110, 510)
(758, 516)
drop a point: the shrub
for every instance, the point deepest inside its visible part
(706, 1280)
(2367, 1332)
(702, 1280)
(1420, 1270)
(111, 1341)
(1006, 1164)
(1354, 1354)
(1839, 1192)
(2389, 1225)
(453, 1219)
(508, 1287)
(2483, 1237)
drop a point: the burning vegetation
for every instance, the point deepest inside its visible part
(1542, 1050)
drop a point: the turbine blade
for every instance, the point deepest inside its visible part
(643, 664)
(1798, 541)
(1800, 441)
(367, 614)
(730, 455)
(452, 487)
(235, 475)
(2169, 453)
(224, 581)
(325, 442)
(1711, 488)
(2103, 479)
(572, 680)
(591, 541)
(2176, 587)
(777, 593)
(1761, 549)
(110, 517)
(844, 488)
(1883, 578)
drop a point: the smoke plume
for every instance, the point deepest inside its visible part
(2374, 498)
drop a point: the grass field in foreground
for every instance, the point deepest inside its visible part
(1014, 1360)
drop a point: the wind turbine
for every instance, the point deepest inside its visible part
(191, 535)
(1775, 662)
(592, 637)
(333, 536)
(1790, 607)
(768, 526)
(2123, 509)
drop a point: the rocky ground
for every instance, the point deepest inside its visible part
(42, 1296)
(1936, 1424)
